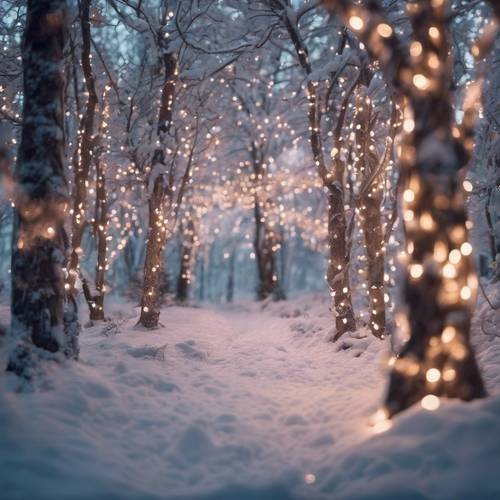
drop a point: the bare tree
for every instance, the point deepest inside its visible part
(86, 153)
(331, 172)
(370, 164)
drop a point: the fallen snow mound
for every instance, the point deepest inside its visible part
(247, 402)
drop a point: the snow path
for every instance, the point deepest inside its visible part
(236, 403)
(250, 395)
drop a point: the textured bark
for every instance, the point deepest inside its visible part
(82, 157)
(371, 198)
(338, 267)
(39, 239)
(432, 157)
(100, 233)
(494, 244)
(374, 239)
(265, 240)
(439, 288)
(153, 265)
(265, 256)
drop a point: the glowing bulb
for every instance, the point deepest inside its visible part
(449, 271)
(356, 23)
(310, 478)
(467, 185)
(408, 215)
(430, 402)
(420, 81)
(434, 32)
(465, 293)
(408, 195)
(416, 270)
(415, 49)
(448, 334)
(466, 248)
(408, 125)
(433, 375)
(384, 30)
(433, 61)
(440, 251)
(426, 221)
(455, 256)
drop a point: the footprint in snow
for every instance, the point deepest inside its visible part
(323, 440)
(188, 350)
(163, 386)
(148, 352)
(295, 420)
(194, 445)
(97, 390)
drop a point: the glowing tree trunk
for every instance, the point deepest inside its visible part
(265, 240)
(338, 267)
(440, 282)
(82, 157)
(95, 301)
(338, 263)
(265, 255)
(188, 242)
(39, 239)
(100, 233)
(374, 238)
(153, 265)
(370, 202)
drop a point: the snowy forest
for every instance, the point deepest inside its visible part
(249, 249)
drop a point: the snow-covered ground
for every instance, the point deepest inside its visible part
(234, 404)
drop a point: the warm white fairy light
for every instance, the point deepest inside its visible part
(430, 402)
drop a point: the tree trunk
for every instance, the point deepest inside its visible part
(39, 239)
(230, 279)
(201, 277)
(440, 281)
(153, 265)
(264, 240)
(100, 232)
(338, 265)
(371, 196)
(82, 156)
(184, 278)
(265, 256)
(374, 239)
